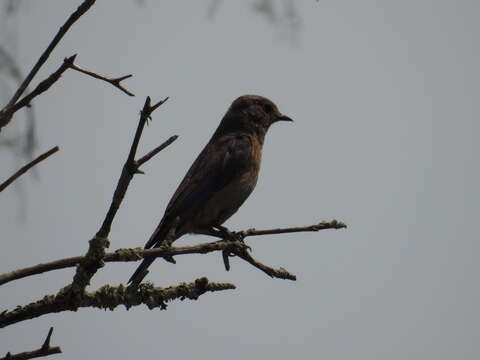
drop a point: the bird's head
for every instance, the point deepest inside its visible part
(251, 113)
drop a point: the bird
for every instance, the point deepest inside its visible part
(220, 179)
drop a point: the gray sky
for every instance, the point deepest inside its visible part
(384, 97)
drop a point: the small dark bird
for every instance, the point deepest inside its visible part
(221, 178)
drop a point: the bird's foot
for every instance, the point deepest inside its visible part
(226, 234)
(167, 245)
(233, 236)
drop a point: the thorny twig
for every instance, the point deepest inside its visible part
(44, 350)
(68, 63)
(6, 113)
(114, 81)
(93, 260)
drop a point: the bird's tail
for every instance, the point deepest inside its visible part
(156, 240)
(141, 271)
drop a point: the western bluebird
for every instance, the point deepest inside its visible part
(220, 179)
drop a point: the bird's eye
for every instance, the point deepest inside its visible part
(268, 108)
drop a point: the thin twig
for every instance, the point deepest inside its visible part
(280, 273)
(7, 112)
(126, 255)
(68, 63)
(114, 81)
(109, 297)
(334, 224)
(226, 260)
(43, 85)
(129, 168)
(46, 343)
(93, 260)
(30, 134)
(25, 168)
(155, 151)
(44, 350)
(82, 9)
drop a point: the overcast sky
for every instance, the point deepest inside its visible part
(384, 95)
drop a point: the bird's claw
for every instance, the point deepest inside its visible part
(165, 246)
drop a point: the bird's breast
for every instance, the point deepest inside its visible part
(228, 200)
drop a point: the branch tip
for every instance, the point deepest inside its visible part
(121, 78)
(44, 350)
(46, 343)
(161, 102)
(116, 82)
(70, 60)
(155, 151)
(226, 260)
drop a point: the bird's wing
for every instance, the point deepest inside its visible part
(221, 161)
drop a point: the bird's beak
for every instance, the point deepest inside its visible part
(284, 118)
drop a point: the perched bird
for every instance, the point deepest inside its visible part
(220, 179)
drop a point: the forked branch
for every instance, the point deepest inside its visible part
(93, 260)
(130, 168)
(7, 112)
(114, 81)
(232, 245)
(44, 85)
(82, 9)
(44, 350)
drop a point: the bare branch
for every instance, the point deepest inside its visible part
(45, 350)
(25, 168)
(93, 260)
(155, 151)
(82, 9)
(129, 168)
(158, 104)
(334, 224)
(46, 343)
(280, 273)
(114, 81)
(109, 297)
(7, 112)
(226, 260)
(235, 246)
(68, 63)
(42, 86)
